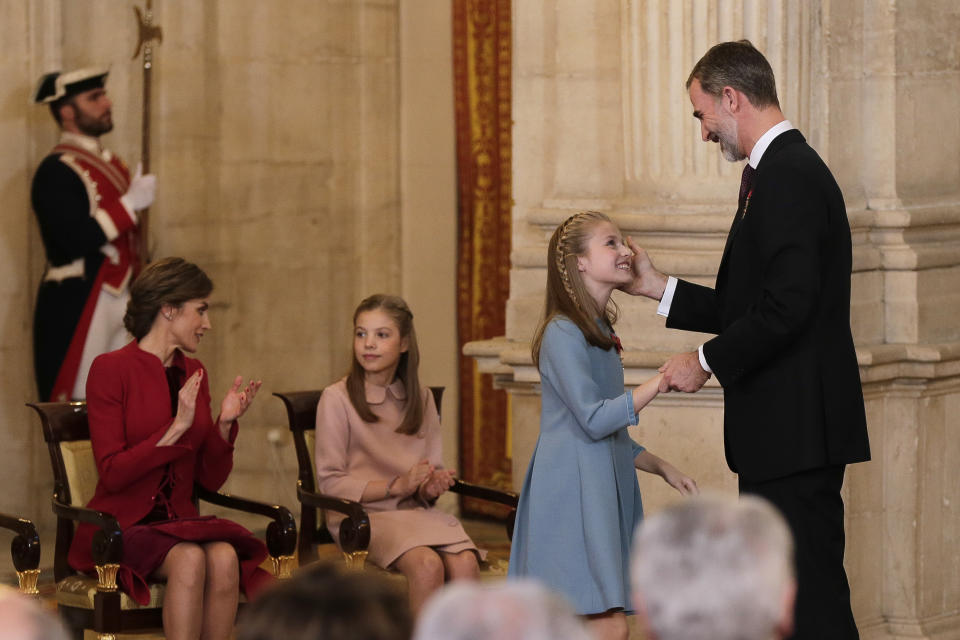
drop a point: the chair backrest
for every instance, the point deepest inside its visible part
(67, 434)
(81, 470)
(302, 418)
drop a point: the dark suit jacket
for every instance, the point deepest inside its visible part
(781, 311)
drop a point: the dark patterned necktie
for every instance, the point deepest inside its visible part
(746, 182)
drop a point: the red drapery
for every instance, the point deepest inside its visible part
(482, 61)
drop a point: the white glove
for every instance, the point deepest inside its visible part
(142, 190)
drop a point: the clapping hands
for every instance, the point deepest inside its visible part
(425, 480)
(186, 405)
(236, 402)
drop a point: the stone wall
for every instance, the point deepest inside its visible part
(603, 122)
(304, 153)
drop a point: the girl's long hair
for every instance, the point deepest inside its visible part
(566, 293)
(399, 312)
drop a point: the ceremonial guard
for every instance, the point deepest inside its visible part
(86, 204)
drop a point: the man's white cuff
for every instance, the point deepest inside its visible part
(663, 309)
(703, 360)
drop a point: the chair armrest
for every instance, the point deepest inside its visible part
(507, 498)
(355, 528)
(281, 533)
(25, 547)
(485, 493)
(107, 546)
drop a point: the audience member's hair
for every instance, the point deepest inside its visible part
(24, 619)
(741, 66)
(511, 610)
(714, 568)
(324, 603)
(170, 281)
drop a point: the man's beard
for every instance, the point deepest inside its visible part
(729, 146)
(94, 127)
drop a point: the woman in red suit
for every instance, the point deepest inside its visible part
(153, 436)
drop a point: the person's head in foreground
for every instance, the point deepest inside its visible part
(325, 603)
(509, 610)
(23, 618)
(714, 568)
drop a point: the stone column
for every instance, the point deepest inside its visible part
(603, 122)
(27, 54)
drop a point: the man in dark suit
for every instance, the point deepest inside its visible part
(783, 351)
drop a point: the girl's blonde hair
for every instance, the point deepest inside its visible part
(566, 293)
(400, 313)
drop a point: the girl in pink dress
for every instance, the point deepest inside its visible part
(379, 443)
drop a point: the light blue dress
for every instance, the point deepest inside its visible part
(580, 500)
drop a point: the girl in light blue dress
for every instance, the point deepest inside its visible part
(580, 500)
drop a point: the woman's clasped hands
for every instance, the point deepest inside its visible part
(424, 480)
(436, 484)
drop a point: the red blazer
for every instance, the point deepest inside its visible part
(128, 403)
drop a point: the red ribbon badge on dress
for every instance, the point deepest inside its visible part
(617, 343)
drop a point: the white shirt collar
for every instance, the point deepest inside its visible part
(88, 143)
(766, 139)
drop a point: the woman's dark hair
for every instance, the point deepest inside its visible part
(170, 281)
(400, 313)
(323, 602)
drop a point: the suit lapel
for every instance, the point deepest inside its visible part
(778, 143)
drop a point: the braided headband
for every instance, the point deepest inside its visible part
(561, 260)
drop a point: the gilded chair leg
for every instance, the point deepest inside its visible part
(28, 581)
(107, 577)
(282, 566)
(356, 559)
(106, 636)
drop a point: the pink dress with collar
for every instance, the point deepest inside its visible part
(350, 453)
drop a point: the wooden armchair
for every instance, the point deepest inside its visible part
(354, 531)
(88, 603)
(25, 550)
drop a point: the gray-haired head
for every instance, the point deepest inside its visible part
(741, 66)
(511, 610)
(24, 619)
(715, 568)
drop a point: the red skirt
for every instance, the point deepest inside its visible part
(145, 546)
